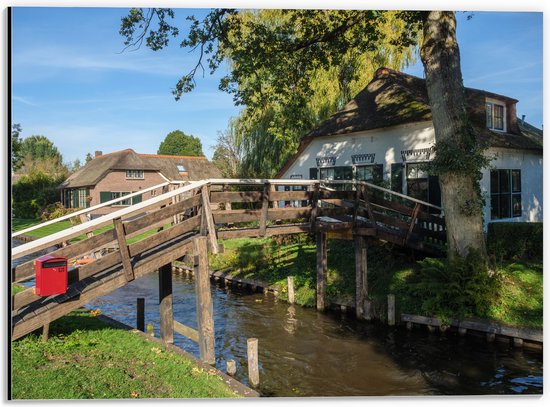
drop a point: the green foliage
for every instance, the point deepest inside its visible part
(515, 240)
(88, 158)
(33, 192)
(56, 210)
(88, 359)
(16, 157)
(228, 152)
(40, 148)
(455, 288)
(179, 143)
(291, 68)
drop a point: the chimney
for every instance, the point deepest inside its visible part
(98, 154)
(522, 118)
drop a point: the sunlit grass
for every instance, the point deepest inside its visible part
(88, 359)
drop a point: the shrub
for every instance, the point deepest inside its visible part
(33, 192)
(514, 240)
(56, 210)
(458, 288)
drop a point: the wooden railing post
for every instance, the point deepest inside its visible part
(205, 311)
(123, 249)
(414, 215)
(321, 269)
(265, 208)
(314, 207)
(166, 304)
(208, 220)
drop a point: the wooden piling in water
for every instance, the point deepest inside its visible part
(205, 311)
(290, 283)
(231, 367)
(391, 309)
(252, 352)
(361, 282)
(166, 304)
(321, 269)
(140, 314)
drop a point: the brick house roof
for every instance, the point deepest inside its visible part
(196, 168)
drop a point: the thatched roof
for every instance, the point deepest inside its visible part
(394, 98)
(196, 168)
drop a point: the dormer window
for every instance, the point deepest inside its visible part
(495, 116)
(134, 174)
(181, 168)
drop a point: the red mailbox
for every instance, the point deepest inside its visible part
(51, 275)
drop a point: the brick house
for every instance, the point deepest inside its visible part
(110, 176)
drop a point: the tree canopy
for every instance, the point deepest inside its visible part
(16, 158)
(275, 57)
(39, 154)
(178, 143)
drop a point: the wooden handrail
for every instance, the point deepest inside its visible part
(77, 230)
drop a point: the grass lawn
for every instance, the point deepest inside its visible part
(88, 359)
(517, 299)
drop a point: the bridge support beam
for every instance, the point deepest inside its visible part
(361, 281)
(166, 304)
(205, 312)
(321, 269)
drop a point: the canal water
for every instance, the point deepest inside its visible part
(306, 353)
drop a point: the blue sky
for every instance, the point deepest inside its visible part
(72, 84)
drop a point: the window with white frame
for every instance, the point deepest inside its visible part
(82, 198)
(125, 202)
(495, 116)
(505, 194)
(134, 174)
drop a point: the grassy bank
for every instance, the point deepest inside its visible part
(86, 358)
(513, 295)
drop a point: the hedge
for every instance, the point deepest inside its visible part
(515, 240)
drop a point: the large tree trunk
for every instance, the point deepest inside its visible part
(441, 58)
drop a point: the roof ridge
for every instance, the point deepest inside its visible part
(201, 157)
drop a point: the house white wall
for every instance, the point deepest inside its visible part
(385, 143)
(388, 143)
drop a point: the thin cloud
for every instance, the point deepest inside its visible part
(61, 58)
(494, 74)
(23, 100)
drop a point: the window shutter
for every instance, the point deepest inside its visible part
(313, 173)
(104, 196)
(397, 177)
(136, 199)
(88, 202)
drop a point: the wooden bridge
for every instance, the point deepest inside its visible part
(167, 226)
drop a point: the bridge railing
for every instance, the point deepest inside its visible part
(252, 207)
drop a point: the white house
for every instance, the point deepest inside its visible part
(385, 132)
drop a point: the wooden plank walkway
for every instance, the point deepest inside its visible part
(257, 208)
